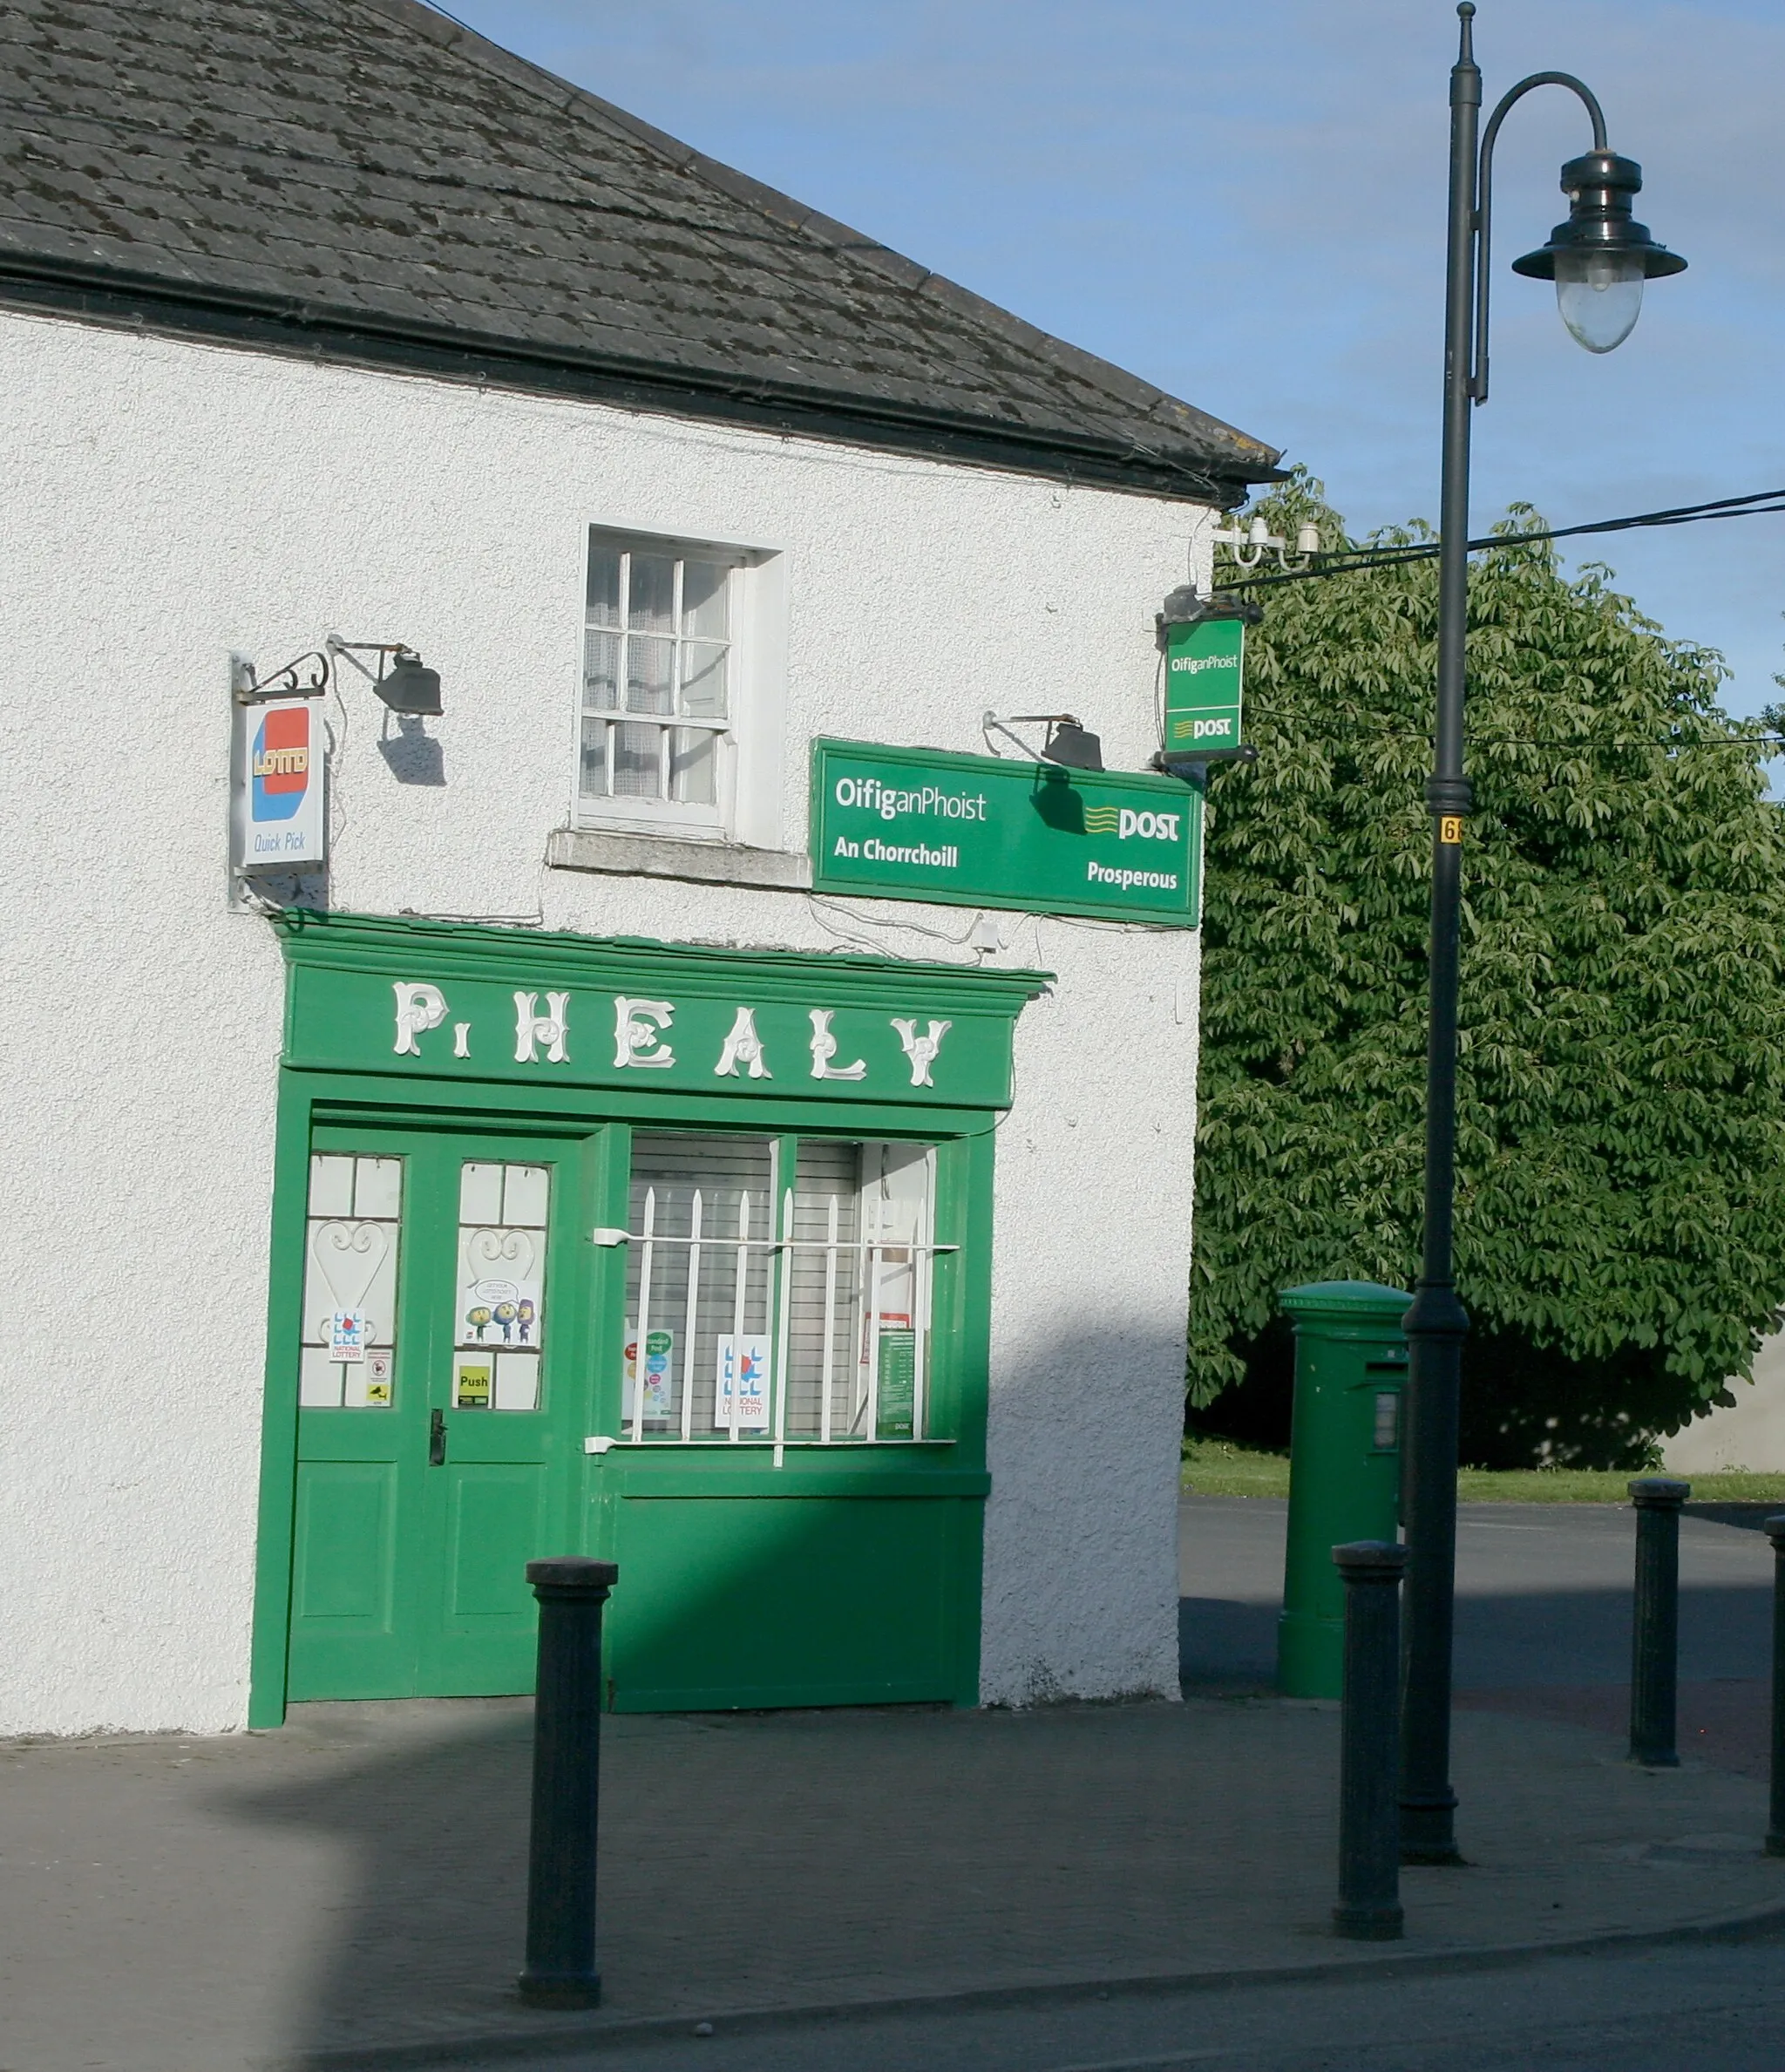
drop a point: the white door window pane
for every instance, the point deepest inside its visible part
(348, 1336)
(331, 1186)
(319, 1380)
(480, 1193)
(378, 1187)
(527, 1193)
(517, 1382)
(500, 1299)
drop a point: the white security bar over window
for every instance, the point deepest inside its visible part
(762, 1311)
(656, 694)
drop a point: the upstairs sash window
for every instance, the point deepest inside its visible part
(658, 684)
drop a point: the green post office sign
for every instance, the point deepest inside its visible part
(1204, 663)
(984, 831)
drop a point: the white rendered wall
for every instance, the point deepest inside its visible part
(1749, 1433)
(164, 504)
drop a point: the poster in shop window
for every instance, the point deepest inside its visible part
(741, 1391)
(660, 1374)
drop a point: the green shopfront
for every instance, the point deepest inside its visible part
(675, 1256)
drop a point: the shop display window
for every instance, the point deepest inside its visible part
(778, 1289)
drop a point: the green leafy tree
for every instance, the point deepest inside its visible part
(1620, 1235)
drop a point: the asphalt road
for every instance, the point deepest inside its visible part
(1543, 1593)
(1703, 2007)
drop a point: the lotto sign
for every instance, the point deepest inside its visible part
(279, 820)
(1204, 664)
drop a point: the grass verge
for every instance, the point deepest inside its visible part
(1225, 1468)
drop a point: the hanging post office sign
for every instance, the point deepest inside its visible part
(277, 817)
(1205, 665)
(988, 831)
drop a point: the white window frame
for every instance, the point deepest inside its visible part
(747, 785)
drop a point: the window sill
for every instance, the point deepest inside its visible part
(662, 856)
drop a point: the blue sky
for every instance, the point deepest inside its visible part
(1246, 205)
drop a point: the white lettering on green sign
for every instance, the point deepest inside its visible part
(641, 1029)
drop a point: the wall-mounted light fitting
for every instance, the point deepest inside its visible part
(407, 685)
(1068, 744)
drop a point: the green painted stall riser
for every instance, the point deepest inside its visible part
(1344, 1465)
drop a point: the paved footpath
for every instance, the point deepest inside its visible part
(352, 1885)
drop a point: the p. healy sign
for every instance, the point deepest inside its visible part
(437, 1000)
(982, 830)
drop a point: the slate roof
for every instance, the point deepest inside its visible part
(367, 178)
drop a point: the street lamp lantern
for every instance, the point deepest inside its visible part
(1599, 260)
(1600, 257)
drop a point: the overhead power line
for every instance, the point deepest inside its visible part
(1759, 504)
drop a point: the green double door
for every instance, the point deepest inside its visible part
(443, 1391)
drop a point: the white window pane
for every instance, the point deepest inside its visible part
(319, 1380)
(377, 1188)
(648, 683)
(703, 594)
(501, 1270)
(702, 680)
(480, 1194)
(331, 1186)
(517, 1382)
(525, 1194)
(368, 1384)
(592, 779)
(604, 584)
(651, 600)
(601, 671)
(638, 756)
(693, 769)
(352, 1268)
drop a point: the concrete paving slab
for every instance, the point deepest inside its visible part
(354, 1884)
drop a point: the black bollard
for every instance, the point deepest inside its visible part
(1775, 1823)
(1369, 1744)
(560, 1878)
(1655, 1643)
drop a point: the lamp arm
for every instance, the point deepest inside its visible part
(1484, 202)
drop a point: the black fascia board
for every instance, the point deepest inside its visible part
(119, 298)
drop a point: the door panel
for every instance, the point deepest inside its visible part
(346, 1537)
(442, 1409)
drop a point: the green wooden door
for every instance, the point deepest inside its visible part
(443, 1394)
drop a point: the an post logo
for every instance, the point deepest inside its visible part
(1122, 821)
(281, 764)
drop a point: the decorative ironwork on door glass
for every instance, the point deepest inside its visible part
(349, 1355)
(500, 1321)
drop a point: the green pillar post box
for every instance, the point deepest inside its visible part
(1344, 1464)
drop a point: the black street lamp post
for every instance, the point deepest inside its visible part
(1599, 260)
